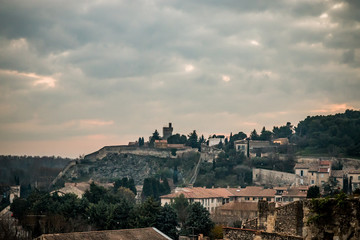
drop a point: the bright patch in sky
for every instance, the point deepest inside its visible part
(255, 43)
(324, 15)
(225, 78)
(338, 5)
(46, 81)
(189, 68)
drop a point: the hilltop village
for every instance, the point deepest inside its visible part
(176, 186)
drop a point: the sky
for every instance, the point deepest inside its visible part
(78, 75)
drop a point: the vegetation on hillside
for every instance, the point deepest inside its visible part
(105, 209)
(337, 135)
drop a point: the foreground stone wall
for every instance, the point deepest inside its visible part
(249, 234)
(289, 219)
(332, 219)
(324, 218)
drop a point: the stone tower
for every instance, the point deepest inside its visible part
(167, 131)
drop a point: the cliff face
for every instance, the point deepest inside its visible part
(131, 164)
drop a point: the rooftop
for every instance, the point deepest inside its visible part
(124, 234)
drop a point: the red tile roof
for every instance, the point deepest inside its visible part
(124, 234)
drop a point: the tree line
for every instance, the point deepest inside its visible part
(107, 209)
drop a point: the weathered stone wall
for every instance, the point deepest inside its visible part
(272, 178)
(141, 151)
(249, 234)
(289, 219)
(332, 219)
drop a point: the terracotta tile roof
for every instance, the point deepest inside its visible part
(294, 192)
(239, 206)
(354, 171)
(337, 173)
(324, 170)
(325, 163)
(124, 234)
(253, 191)
(198, 192)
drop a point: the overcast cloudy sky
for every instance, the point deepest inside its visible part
(78, 75)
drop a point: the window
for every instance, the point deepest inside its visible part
(247, 198)
(212, 200)
(358, 177)
(312, 174)
(268, 199)
(312, 181)
(322, 175)
(254, 198)
(301, 173)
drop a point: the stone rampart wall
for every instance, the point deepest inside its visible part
(289, 218)
(142, 151)
(273, 178)
(249, 234)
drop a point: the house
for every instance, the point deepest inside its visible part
(254, 148)
(232, 212)
(252, 194)
(150, 233)
(316, 173)
(281, 141)
(339, 176)
(354, 175)
(216, 139)
(210, 198)
(160, 144)
(286, 195)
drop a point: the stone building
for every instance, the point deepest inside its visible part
(252, 148)
(316, 173)
(167, 131)
(233, 212)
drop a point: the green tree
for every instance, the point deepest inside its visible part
(167, 221)
(198, 219)
(265, 135)
(95, 193)
(254, 135)
(155, 136)
(177, 139)
(193, 140)
(180, 204)
(313, 192)
(285, 131)
(146, 214)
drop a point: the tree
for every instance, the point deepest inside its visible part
(147, 213)
(265, 135)
(141, 141)
(193, 140)
(177, 139)
(285, 131)
(154, 137)
(198, 219)
(254, 135)
(95, 193)
(313, 192)
(175, 175)
(167, 221)
(180, 204)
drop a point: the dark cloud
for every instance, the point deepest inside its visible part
(77, 68)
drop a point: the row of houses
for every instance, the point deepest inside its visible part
(211, 198)
(319, 172)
